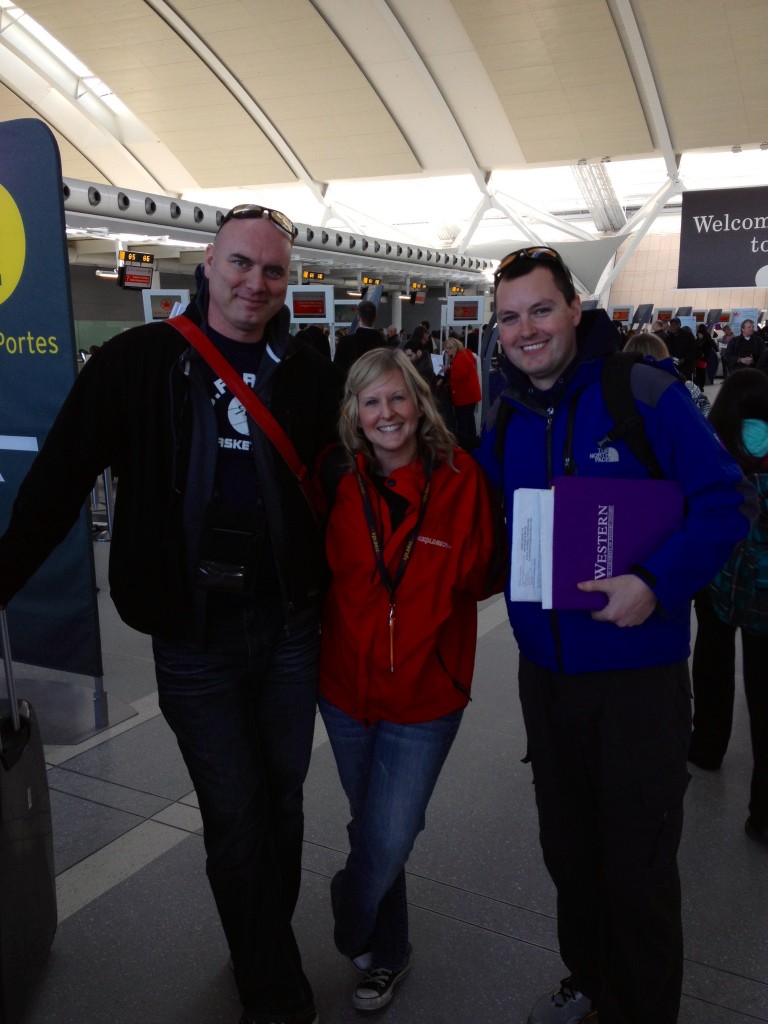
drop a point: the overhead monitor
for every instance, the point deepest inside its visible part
(621, 314)
(665, 314)
(713, 317)
(684, 311)
(643, 314)
(312, 304)
(465, 310)
(700, 316)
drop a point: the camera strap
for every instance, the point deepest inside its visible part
(252, 404)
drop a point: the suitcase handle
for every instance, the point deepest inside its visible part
(5, 647)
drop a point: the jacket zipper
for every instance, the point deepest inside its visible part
(553, 613)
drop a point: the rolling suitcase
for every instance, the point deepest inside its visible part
(27, 881)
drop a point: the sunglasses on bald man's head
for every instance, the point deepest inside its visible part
(249, 211)
(535, 252)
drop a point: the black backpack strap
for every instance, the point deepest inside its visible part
(499, 417)
(620, 403)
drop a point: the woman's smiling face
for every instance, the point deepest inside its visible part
(389, 420)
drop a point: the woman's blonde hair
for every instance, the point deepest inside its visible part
(433, 437)
(648, 344)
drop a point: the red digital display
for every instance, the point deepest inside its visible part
(308, 305)
(621, 313)
(467, 311)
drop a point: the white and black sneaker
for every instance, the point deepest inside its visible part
(566, 1005)
(378, 986)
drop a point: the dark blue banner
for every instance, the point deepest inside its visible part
(54, 619)
(724, 239)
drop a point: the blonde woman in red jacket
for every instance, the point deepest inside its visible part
(411, 541)
(465, 390)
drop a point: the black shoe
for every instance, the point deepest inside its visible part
(757, 832)
(566, 1005)
(377, 987)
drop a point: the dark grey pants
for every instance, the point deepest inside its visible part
(608, 752)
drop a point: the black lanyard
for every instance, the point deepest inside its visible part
(378, 552)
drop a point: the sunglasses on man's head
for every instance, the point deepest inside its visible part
(534, 252)
(250, 211)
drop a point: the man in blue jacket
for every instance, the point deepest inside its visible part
(606, 695)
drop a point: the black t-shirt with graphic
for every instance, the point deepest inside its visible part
(237, 485)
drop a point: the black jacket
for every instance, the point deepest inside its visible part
(740, 346)
(140, 406)
(355, 345)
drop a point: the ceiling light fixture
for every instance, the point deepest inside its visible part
(599, 195)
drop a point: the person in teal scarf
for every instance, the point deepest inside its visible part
(737, 599)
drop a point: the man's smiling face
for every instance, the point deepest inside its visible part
(247, 269)
(537, 326)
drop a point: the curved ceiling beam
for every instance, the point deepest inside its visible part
(416, 61)
(230, 82)
(419, 65)
(640, 66)
(74, 103)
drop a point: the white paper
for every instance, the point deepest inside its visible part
(530, 578)
(546, 542)
(525, 575)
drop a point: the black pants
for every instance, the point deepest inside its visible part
(608, 751)
(714, 683)
(466, 431)
(243, 711)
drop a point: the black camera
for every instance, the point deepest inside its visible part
(231, 547)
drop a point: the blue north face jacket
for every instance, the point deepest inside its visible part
(545, 441)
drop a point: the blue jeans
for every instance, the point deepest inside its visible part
(242, 708)
(388, 772)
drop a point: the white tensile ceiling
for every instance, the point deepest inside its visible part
(449, 123)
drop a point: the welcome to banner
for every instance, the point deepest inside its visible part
(53, 620)
(724, 239)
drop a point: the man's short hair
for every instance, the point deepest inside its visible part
(522, 265)
(366, 311)
(675, 320)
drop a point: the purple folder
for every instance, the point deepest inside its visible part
(603, 526)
